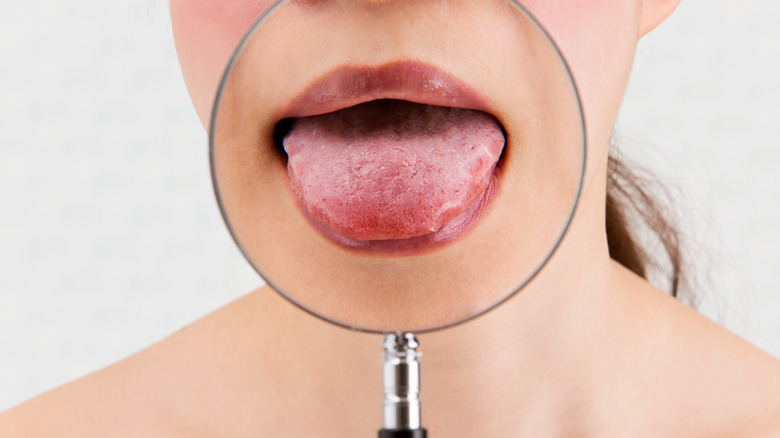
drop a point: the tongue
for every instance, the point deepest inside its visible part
(390, 169)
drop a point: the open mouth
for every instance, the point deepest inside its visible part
(389, 174)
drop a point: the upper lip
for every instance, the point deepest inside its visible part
(412, 81)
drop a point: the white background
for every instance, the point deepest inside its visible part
(110, 237)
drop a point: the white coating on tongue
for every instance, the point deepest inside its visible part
(391, 169)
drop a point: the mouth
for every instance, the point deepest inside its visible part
(397, 159)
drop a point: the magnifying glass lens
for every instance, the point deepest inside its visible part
(397, 166)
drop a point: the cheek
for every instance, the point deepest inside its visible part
(598, 39)
(206, 34)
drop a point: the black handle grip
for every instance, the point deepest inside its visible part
(408, 433)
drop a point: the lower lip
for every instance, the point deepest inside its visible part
(454, 230)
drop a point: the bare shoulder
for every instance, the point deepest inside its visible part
(144, 395)
(105, 403)
(704, 375)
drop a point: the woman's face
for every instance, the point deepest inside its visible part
(597, 37)
(478, 55)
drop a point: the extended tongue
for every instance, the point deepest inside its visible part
(391, 169)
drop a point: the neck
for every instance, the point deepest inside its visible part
(538, 355)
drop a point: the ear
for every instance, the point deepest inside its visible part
(654, 12)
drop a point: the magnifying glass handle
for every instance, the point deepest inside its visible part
(417, 433)
(401, 385)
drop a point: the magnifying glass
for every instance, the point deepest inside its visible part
(397, 167)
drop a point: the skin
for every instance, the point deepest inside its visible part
(588, 349)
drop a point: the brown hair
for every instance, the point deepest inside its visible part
(642, 228)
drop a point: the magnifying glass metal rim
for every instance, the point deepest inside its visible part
(215, 184)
